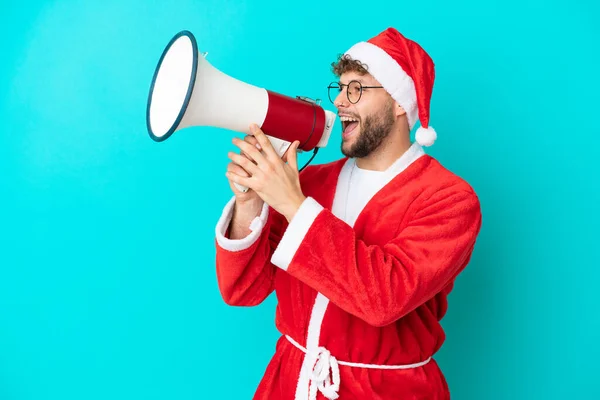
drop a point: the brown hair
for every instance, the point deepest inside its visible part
(345, 63)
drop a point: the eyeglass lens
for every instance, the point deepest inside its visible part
(353, 92)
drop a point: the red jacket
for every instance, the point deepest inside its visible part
(372, 293)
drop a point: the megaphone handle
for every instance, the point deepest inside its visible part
(280, 147)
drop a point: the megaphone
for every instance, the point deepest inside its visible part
(187, 91)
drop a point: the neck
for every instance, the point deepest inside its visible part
(392, 148)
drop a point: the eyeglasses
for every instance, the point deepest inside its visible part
(353, 92)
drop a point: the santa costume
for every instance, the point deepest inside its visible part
(363, 270)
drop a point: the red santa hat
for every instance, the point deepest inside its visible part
(406, 71)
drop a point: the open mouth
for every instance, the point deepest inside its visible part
(349, 125)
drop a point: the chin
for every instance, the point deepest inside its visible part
(347, 146)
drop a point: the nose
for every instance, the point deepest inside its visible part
(341, 100)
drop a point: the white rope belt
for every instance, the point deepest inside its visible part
(326, 375)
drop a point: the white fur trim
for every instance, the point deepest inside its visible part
(312, 345)
(390, 74)
(322, 302)
(425, 136)
(295, 232)
(239, 244)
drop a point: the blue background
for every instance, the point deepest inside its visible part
(107, 278)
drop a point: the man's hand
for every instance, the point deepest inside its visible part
(248, 205)
(250, 196)
(274, 180)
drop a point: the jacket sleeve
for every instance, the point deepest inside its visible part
(382, 283)
(245, 274)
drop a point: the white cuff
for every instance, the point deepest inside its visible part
(295, 233)
(239, 244)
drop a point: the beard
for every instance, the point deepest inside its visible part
(375, 128)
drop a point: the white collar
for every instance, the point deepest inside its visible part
(407, 158)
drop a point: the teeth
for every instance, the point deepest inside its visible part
(348, 119)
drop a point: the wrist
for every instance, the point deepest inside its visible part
(293, 208)
(249, 204)
(245, 211)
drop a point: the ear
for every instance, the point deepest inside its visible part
(399, 110)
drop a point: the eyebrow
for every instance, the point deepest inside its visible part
(362, 81)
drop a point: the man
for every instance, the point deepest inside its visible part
(361, 252)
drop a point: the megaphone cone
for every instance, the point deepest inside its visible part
(187, 91)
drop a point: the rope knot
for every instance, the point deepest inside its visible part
(326, 375)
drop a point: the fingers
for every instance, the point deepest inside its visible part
(264, 142)
(240, 180)
(292, 156)
(287, 153)
(236, 169)
(252, 140)
(244, 162)
(251, 152)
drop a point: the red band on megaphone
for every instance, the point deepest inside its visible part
(291, 119)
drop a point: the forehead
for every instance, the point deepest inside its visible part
(366, 79)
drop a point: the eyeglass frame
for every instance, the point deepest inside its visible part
(340, 86)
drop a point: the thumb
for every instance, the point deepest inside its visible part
(293, 156)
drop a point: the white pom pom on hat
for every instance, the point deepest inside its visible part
(406, 71)
(425, 136)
